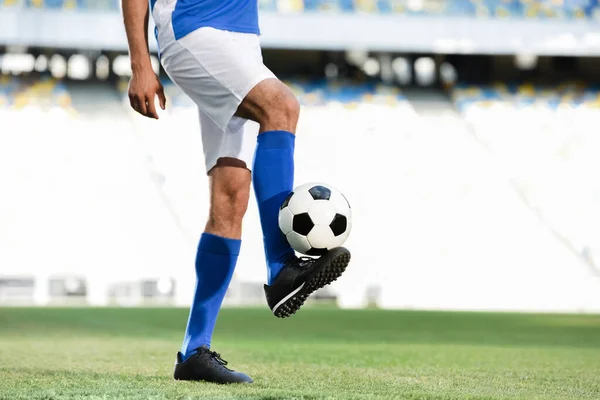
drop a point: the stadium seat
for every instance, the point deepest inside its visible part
(532, 9)
(54, 3)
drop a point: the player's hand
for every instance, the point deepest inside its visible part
(144, 86)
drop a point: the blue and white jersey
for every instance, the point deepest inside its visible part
(189, 15)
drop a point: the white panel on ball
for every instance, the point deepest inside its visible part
(321, 237)
(337, 241)
(286, 219)
(298, 242)
(321, 212)
(300, 202)
(339, 202)
(349, 224)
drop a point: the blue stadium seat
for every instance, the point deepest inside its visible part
(461, 8)
(54, 3)
(267, 5)
(524, 96)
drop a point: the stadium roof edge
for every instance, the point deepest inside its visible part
(428, 34)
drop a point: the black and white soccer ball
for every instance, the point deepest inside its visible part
(315, 218)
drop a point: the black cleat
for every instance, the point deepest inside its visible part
(207, 366)
(301, 277)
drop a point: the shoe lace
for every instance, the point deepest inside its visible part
(217, 357)
(301, 261)
(305, 261)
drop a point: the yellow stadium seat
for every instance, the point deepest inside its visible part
(64, 100)
(532, 11)
(70, 4)
(45, 86)
(526, 90)
(290, 6)
(298, 5)
(21, 100)
(473, 91)
(368, 6)
(502, 12)
(398, 8)
(579, 13)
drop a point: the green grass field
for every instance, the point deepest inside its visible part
(51, 353)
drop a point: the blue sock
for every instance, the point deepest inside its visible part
(215, 262)
(273, 178)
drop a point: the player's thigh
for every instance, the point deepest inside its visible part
(270, 102)
(197, 83)
(216, 68)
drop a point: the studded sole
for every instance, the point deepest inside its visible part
(324, 277)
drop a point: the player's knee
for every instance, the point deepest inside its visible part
(230, 192)
(292, 108)
(230, 205)
(283, 110)
(272, 104)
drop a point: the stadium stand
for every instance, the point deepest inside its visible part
(69, 157)
(472, 208)
(510, 177)
(310, 93)
(449, 201)
(541, 131)
(321, 92)
(562, 9)
(44, 93)
(566, 95)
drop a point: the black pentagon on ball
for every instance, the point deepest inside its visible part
(286, 201)
(339, 224)
(320, 192)
(302, 224)
(316, 252)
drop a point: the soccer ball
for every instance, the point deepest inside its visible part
(315, 218)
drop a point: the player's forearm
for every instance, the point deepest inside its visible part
(135, 16)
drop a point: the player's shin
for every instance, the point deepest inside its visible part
(215, 263)
(273, 178)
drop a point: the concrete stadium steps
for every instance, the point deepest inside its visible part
(465, 239)
(79, 198)
(173, 147)
(437, 221)
(552, 160)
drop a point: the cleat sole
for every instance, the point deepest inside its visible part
(326, 275)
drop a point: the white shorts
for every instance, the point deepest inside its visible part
(216, 69)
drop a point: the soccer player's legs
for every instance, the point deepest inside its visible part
(229, 191)
(224, 73)
(290, 279)
(218, 251)
(227, 156)
(273, 105)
